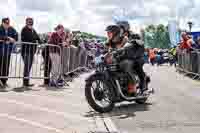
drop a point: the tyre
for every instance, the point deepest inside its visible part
(94, 96)
(141, 101)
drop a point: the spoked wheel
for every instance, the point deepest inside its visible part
(99, 95)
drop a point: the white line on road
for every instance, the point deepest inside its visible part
(63, 114)
(111, 126)
(105, 121)
(47, 98)
(100, 125)
(32, 123)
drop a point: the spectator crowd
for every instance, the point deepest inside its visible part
(58, 39)
(62, 37)
(188, 48)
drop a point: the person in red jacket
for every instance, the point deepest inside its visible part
(186, 41)
(152, 56)
(58, 40)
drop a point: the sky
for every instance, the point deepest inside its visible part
(94, 15)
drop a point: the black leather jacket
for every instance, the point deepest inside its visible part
(132, 51)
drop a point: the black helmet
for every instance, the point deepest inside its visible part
(116, 30)
(124, 25)
(113, 28)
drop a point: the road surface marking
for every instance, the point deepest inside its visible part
(63, 114)
(111, 126)
(32, 123)
(48, 98)
(100, 125)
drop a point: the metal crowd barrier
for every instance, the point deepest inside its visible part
(189, 63)
(74, 59)
(25, 60)
(13, 59)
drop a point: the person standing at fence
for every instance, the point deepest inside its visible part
(186, 42)
(58, 39)
(47, 63)
(68, 37)
(29, 38)
(8, 36)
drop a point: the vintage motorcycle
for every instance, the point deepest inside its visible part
(109, 85)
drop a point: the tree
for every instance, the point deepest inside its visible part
(157, 36)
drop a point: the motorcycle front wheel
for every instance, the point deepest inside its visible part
(99, 94)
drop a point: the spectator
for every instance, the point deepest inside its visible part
(8, 37)
(29, 35)
(47, 63)
(146, 57)
(98, 51)
(82, 45)
(75, 40)
(186, 41)
(158, 58)
(57, 38)
(152, 56)
(68, 37)
(173, 52)
(178, 48)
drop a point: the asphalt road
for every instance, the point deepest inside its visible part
(174, 108)
(47, 110)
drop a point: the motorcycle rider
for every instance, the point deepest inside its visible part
(133, 58)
